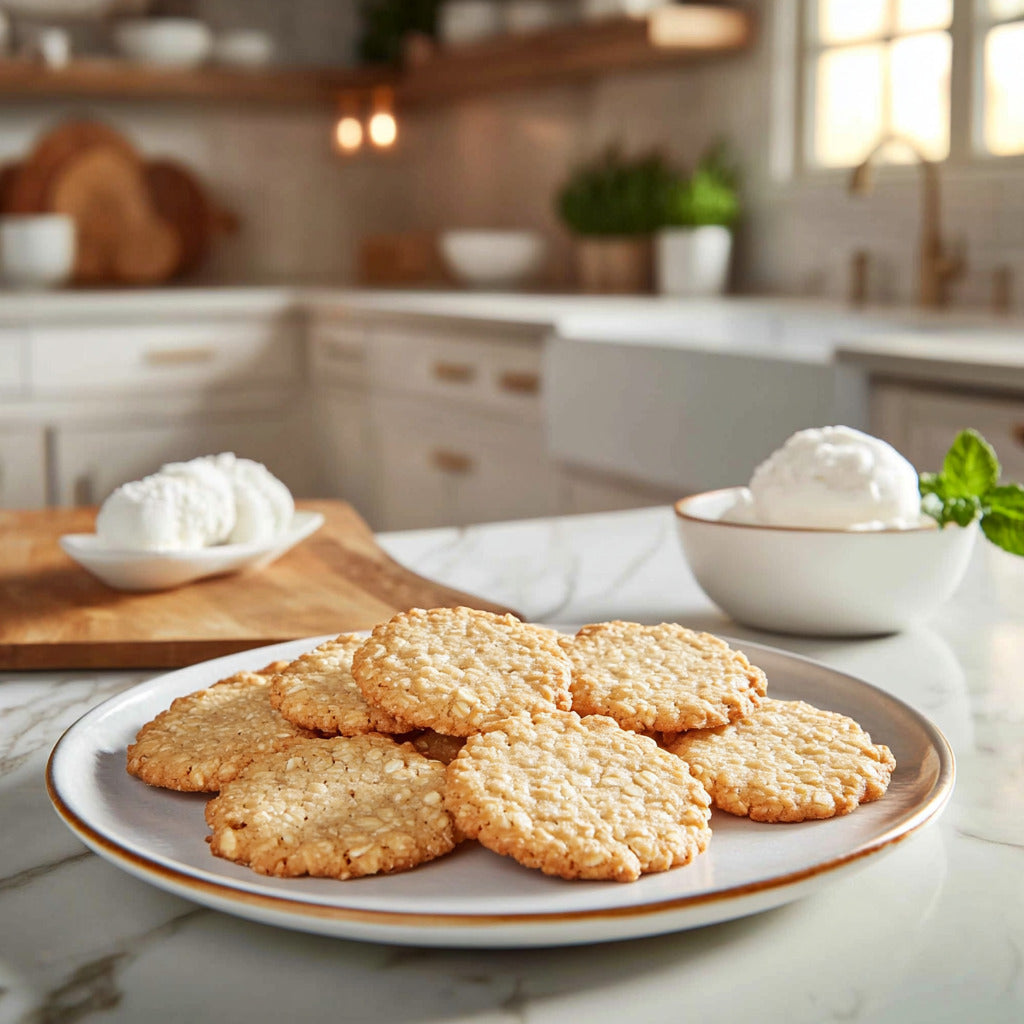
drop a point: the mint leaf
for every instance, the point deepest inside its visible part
(1007, 500)
(944, 507)
(1004, 531)
(970, 468)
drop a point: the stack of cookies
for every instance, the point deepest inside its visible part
(592, 756)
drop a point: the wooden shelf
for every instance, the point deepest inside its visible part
(669, 35)
(114, 79)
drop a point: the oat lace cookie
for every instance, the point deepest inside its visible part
(459, 670)
(578, 798)
(661, 678)
(317, 691)
(341, 808)
(789, 761)
(206, 738)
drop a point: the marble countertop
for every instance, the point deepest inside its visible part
(933, 931)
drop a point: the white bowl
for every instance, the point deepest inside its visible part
(37, 250)
(816, 582)
(493, 259)
(167, 42)
(162, 570)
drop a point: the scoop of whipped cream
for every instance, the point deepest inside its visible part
(213, 499)
(832, 478)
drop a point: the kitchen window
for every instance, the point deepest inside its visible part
(875, 67)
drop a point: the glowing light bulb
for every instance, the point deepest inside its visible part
(383, 129)
(348, 133)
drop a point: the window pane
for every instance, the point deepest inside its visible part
(1004, 89)
(999, 9)
(848, 104)
(845, 21)
(919, 71)
(916, 15)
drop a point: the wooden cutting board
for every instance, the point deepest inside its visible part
(55, 615)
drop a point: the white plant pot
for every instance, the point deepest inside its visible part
(693, 261)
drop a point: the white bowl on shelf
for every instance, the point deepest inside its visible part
(36, 250)
(493, 259)
(164, 42)
(816, 582)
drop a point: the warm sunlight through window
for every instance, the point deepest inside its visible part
(878, 66)
(1003, 62)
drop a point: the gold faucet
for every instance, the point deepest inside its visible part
(936, 266)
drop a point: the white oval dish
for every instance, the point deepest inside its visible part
(820, 582)
(474, 898)
(162, 570)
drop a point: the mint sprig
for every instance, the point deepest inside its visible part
(968, 488)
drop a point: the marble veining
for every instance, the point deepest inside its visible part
(933, 931)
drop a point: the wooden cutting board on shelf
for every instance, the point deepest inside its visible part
(55, 615)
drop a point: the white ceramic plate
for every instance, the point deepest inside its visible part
(475, 898)
(161, 570)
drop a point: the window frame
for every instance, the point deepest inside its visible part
(967, 29)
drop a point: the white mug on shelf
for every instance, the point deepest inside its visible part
(36, 250)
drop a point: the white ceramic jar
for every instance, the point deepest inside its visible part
(693, 261)
(37, 250)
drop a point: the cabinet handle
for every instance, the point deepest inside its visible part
(177, 356)
(1017, 433)
(525, 383)
(454, 373)
(452, 462)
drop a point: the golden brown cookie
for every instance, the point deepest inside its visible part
(578, 798)
(459, 670)
(788, 761)
(338, 808)
(206, 738)
(317, 691)
(661, 678)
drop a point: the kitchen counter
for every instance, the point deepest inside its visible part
(933, 931)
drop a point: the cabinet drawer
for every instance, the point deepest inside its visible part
(492, 372)
(923, 424)
(163, 356)
(338, 353)
(455, 468)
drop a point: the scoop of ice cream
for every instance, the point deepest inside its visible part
(158, 513)
(217, 487)
(264, 507)
(833, 478)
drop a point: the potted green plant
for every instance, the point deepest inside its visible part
(694, 247)
(613, 204)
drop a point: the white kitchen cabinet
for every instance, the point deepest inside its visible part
(446, 465)
(342, 437)
(176, 356)
(457, 423)
(922, 422)
(90, 459)
(22, 467)
(423, 423)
